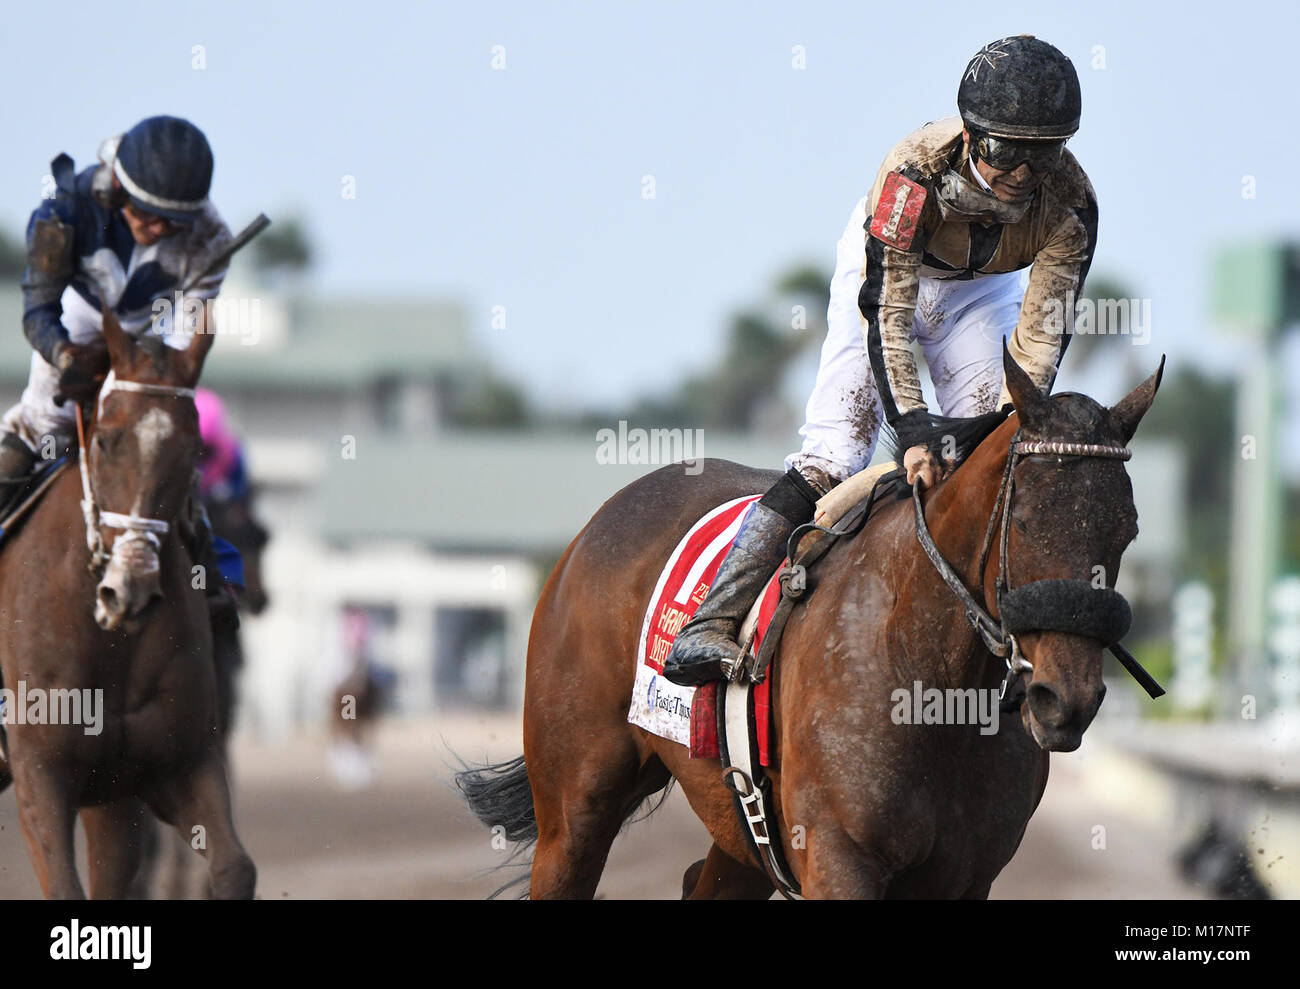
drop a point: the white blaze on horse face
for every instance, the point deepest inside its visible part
(151, 432)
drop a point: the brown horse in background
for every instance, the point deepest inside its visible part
(865, 807)
(140, 634)
(166, 859)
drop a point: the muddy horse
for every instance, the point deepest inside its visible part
(864, 807)
(96, 593)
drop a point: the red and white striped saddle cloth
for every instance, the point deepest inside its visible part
(689, 714)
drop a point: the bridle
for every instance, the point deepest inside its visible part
(1068, 605)
(141, 537)
(1099, 612)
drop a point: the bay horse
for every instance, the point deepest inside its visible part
(865, 807)
(103, 600)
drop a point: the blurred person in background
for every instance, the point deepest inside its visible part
(358, 696)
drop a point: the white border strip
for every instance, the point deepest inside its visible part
(672, 562)
(704, 559)
(180, 205)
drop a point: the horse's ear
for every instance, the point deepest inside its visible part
(1129, 410)
(193, 356)
(119, 343)
(1030, 404)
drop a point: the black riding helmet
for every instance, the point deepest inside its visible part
(165, 167)
(1019, 98)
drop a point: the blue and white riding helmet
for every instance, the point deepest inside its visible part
(164, 165)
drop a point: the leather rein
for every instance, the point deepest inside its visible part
(997, 637)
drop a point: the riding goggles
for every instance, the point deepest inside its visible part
(1006, 155)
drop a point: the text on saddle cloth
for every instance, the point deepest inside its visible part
(659, 706)
(667, 709)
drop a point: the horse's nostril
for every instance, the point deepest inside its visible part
(1046, 705)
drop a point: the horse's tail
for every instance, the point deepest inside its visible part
(501, 797)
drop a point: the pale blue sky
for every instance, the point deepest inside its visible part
(522, 187)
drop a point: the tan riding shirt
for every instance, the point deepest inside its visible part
(928, 216)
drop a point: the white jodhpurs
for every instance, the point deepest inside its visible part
(960, 325)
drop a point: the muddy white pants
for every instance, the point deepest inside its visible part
(960, 325)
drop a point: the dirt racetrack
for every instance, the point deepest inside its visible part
(408, 835)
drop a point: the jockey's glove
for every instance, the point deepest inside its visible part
(82, 368)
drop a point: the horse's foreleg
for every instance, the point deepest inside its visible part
(720, 877)
(838, 868)
(113, 846)
(198, 806)
(149, 837)
(48, 816)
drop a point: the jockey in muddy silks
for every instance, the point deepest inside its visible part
(934, 253)
(129, 231)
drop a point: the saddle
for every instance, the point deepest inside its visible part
(28, 496)
(761, 631)
(741, 708)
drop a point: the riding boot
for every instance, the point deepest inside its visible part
(708, 640)
(16, 462)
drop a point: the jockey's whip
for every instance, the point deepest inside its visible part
(260, 223)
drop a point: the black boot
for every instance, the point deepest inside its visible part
(708, 640)
(16, 462)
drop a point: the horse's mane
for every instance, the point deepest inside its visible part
(964, 433)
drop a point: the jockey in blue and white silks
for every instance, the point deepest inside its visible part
(131, 231)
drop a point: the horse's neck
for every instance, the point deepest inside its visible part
(958, 514)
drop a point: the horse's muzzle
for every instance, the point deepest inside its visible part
(1053, 722)
(131, 581)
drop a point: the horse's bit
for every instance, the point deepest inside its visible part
(1096, 611)
(140, 533)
